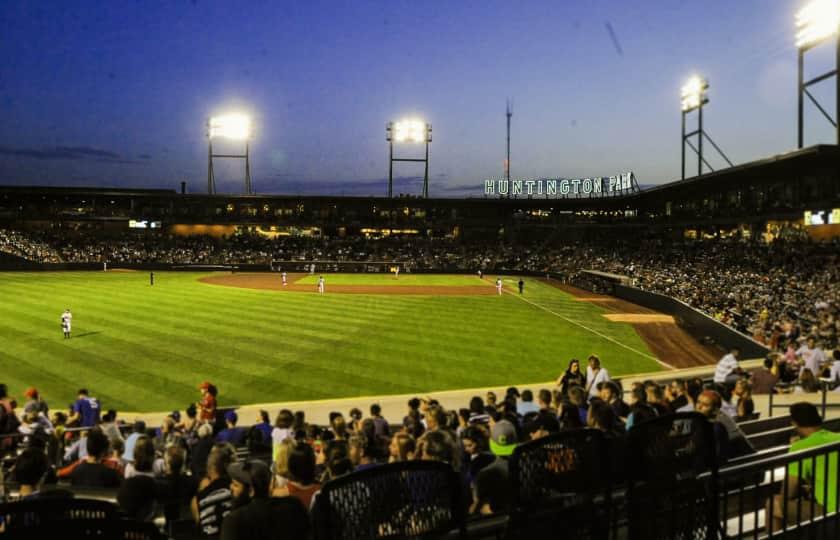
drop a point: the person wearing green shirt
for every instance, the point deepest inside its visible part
(793, 504)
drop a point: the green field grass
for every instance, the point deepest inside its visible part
(389, 279)
(143, 348)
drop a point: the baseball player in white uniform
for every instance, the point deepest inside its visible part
(283, 278)
(321, 285)
(499, 285)
(397, 272)
(66, 321)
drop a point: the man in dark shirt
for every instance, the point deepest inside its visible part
(379, 423)
(763, 380)
(92, 472)
(676, 396)
(232, 434)
(255, 515)
(610, 393)
(85, 410)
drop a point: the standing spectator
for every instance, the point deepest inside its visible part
(31, 467)
(727, 370)
(282, 430)
(175, 488)
(200, 451)
(138, 430)
(611, 394)
(478, 415)
(573, 376)
(731, 441)
(232, 434)
(763, 379)
(402, 447)
(361, 451)
(302, 484)
(207, 405)
(213, 500)
(92, 472)
(35, 402)
(745, 407)
(380, 424)
(595, 375)
(503, 438)
(544, 400)
(812, 357)
(110, 428)
(834, 374)
(808, 383)
(85, 410)
(526, 404)
(785, 506)
(263, 425)
(137, 493)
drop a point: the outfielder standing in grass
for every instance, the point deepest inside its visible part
(283, 278)
(499, 285)
(66, 320)
(320, 284)
(521, 285)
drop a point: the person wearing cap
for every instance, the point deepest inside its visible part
(822, 480)
(502, 438)
(207, 405)
(232, 434)
(35, 402)
(254, 515)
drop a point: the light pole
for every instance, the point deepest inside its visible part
(408, 131)
(692, 98)
(816, 23)
(230, 126)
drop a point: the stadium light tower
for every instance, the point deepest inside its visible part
(235, 127)
(817, 23)
(408, 131)
(692, 98)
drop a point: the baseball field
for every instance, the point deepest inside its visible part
(145, 348)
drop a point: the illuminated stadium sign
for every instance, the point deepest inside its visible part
(599, 186)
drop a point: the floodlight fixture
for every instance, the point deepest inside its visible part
(816, 22)
(236, 127)
(692, 98)
(410, 131)
(693, 94)
(230, 126)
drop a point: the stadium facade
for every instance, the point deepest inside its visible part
(756, 197)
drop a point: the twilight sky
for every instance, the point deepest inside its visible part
(117, 93)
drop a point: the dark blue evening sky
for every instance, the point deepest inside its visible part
(117, 93)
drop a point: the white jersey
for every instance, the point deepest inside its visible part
(283, 277)
(66, 320)
(499, 285)
(321, 285)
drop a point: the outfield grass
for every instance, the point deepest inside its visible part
(145, 348)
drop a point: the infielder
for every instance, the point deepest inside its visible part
(499, 285)
(480, 275)
(320, 284)
(397, 272)
(283, 278)
(66, 320)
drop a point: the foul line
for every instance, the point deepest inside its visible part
(597, 333)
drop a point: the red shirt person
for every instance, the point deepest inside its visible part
(207, 405)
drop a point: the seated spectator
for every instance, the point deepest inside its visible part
(138, 430)
(213, 500)
(336, 456)
(175, 488)
(744, 406)
(78, 449)
(402, 448)
(526, 404)
(476, 445)
(503, 438)
(200, 451)
(675, 396)
(492, 494)
(763, 379)
(280, 467)
(338, 425)
(361, 452)
(786, 505)
(477, 413)
(30, 469)
(725, 392)
(639, 408)
(578, 398)
(545, 400)
(655, 397)
(808, 383)
(92, 472)
(143, 460)
(569, 417)
(232, 434)
(138, 493)
(440, 446)
(812, 357)
(611, 394)
(35, 402)
(601, 417)
(543, 424)
(834, 371)
(731, 442)
(283, 430)
(728, 370)
(302, 484)
(110, 428)
(253, 515)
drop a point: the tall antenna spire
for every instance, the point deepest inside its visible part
(509, 114)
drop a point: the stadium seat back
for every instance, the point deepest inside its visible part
(406, 500)
(672, 478)
(555, 480)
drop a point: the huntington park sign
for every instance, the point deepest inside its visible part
(599, 186)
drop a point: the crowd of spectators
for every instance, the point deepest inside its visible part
(780, 293)
(188, 466)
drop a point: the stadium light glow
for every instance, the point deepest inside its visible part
(817, 21)
(230, 126)
(693, 93)
(411, 131)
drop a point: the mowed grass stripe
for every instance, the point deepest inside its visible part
(267, 345)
